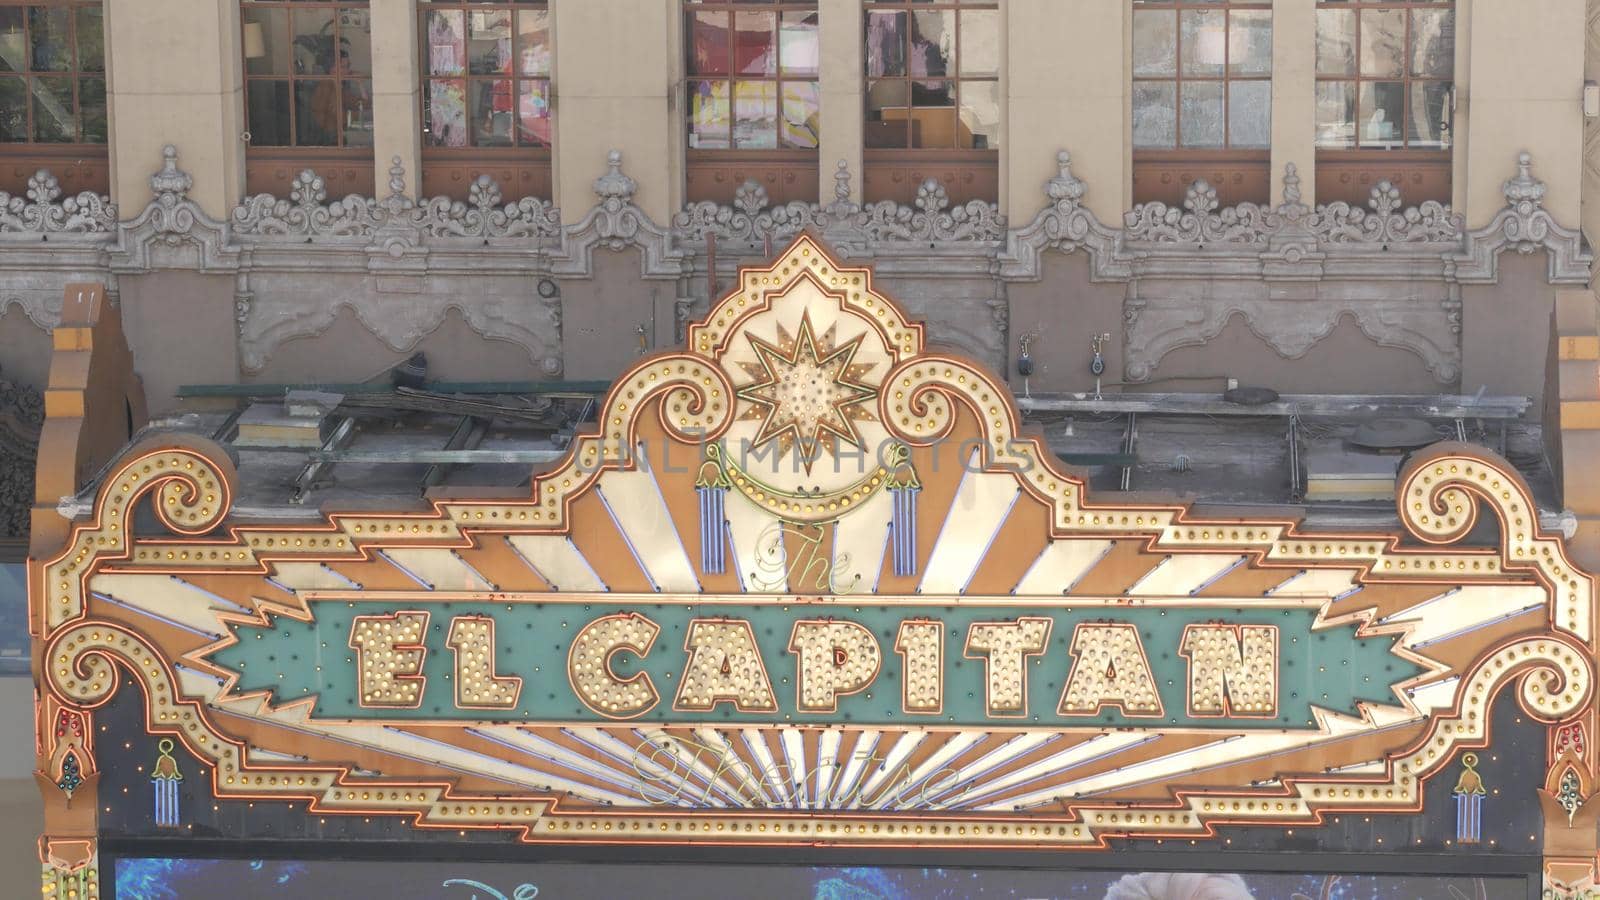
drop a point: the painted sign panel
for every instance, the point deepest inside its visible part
(809, 583)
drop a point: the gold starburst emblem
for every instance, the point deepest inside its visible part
(807, 392)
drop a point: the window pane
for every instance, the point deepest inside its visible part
(1250, 42)
(1202, 41)
(13, 110)
(316, 113)
(533, 42)
(1381, 104)
(313, 41)
(709, 115)
(1201, 114)
(266, 41)
(268, 105)
(1250, 114)
(533, 114)
(708, 43)
(13, 40)
(489, 42)
(492, 116)
(797, 44)
(446, 113)
(1428, 122)
(1433, 42)
(933, 93)
(355, 41)
(447, 42)
(888, 116)
(1336, 114)
(933, 43)
(1336, 42)
(979, 128)
(92, 106)
(1155, 115)
(1155, 42)
(91, 39)
(755, 115)
(980, 42)
(886, 43)
(48, 27)
(54, 118)
(1383, 35)
(800, 126)
(357, 112)
(755, 48)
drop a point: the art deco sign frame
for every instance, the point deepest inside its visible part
(810, 584)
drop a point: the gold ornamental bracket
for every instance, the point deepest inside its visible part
(818, 444)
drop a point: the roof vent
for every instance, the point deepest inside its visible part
(1393, 435)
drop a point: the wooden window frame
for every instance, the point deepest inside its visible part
(522, 169)
(715, 173)
(335, 150)
(1239, 174)
(74, 73)
(896, 173)
(1350, 173)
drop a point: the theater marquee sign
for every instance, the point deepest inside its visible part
(808, 584)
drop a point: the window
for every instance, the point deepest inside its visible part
(53, 95)
(1202, 97)
(752, 99)
(486, 96)
(933, 98)
(1385, 94)
(486, 74)
(308, 73)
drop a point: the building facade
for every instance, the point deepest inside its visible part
(1116, 210)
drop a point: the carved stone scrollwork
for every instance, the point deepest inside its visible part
(1524, 225)
(173, 231)
(1200, 221)
(615, 223)
(39, 213)
(1064, 225)
(304, 213)
(931, 219)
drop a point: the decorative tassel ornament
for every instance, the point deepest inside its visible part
(165, 777)
(1469, 794)
(712, 484)
(904, 487)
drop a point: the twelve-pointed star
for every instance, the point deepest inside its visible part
(806, 391)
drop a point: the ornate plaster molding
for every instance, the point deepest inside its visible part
(1524, 225)
(1157, 326)
(402, 320)
(1201, 221)
(614, 224)
(40, 213)
(304, 213)
(173, 232)
(1065, 225)
(931, 219)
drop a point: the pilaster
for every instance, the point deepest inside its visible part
(396, 91)
(174, 76)
(1294, 95)
(842, 85)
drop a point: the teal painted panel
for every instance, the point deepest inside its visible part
(1331, 668)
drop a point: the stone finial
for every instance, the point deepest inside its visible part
(397, 177)
(614, 188)
(307, 189)
(750, 198)
(931, 196)
(1291, 185)
(841, 182)
(170, 181)
(1065, 187)
(1384, 198)
(43, 187)
(1201, 198)
(484, 193)
(1524, 189)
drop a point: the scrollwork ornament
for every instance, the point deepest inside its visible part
(40, 213)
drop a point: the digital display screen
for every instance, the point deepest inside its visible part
(167, 879)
